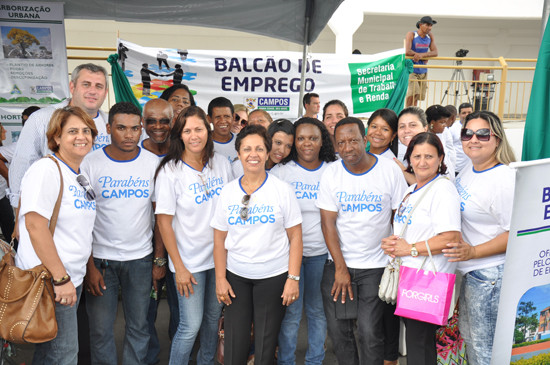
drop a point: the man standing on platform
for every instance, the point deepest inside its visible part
(419, 44)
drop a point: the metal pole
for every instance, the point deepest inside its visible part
(309, 7)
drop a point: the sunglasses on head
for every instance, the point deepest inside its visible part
(483, 134)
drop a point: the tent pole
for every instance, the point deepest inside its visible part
(309, 8)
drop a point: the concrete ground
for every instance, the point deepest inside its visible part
(24, 352)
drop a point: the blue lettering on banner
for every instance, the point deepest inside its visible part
(273, 101)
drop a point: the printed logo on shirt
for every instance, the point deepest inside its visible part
(400, 218)
(207, 189)
(101, 141)
(463, 192)
(362, 202)
(256, 215)
(305, 191)
(80, 201)
(124, 188)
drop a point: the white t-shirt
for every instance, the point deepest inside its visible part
(387, 154)
(437, 212)
(73, 232)
(191, 196)
(257, 248)
(446, 139)
(364, 203)
(461, 159)
(123, 229)
(486, 205)
(227, 149)
(305, 184)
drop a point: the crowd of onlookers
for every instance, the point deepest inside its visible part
(259, 219)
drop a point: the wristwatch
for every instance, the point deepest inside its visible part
(293, 277)
(160, 261)
(414, 251)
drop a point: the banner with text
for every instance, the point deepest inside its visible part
(523, 323)
(33, 60)
(264, 80)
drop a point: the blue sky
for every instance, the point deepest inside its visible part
(539, 295)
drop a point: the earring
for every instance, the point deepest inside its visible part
(439, 169)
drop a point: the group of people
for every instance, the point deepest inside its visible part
(260, 219)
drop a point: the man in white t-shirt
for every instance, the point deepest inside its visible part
(88, 88)
(356, 197)
(122, 176)
(462, 160)
(221, 115)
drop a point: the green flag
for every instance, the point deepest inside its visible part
(121, 86)
(536, 137)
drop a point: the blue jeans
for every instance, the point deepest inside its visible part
(311, 274)
(134, 278)
(479, 298)
(200, 311)
(153, 351)
(63, 349)
(370, 311)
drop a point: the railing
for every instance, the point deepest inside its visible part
(506, 95)
(503, 93)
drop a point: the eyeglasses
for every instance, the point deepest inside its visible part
(403, 205)
(244, 210)
(244, 122)
(90, 193)
(203, 180)
(483, 134)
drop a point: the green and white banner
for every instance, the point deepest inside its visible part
(265, 80)
(522, 334)
(33, 59)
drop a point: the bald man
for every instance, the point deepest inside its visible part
(157, 121)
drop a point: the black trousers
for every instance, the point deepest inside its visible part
(7, 220)
(420, 338)
(258, 301)
(391, 333)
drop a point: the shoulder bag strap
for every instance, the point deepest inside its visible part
(55, 213)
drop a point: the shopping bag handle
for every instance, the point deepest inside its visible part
(431, 260)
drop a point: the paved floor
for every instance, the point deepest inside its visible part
(24, 352)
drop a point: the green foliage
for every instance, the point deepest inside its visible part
(521, 344)
(542, 359)
(519, 337)
(526, 319)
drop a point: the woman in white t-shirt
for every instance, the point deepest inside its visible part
(382, 133)
(435, 222)
(312, 153)
(70, 134)
(437, 117)
(188, 182)
(413, 120)
(257, 252)
(486, 188)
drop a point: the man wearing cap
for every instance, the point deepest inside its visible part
(420, 44)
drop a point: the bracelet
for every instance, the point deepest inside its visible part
(293, 277)
(160, 261)
(64, 280)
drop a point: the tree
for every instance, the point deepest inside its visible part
(526, 319)
(22, 38)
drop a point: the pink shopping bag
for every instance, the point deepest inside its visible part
(424, 295)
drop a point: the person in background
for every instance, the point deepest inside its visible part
(462, 159)
(70, 136)
(188, 184)
(179, 96)
(434, 223)
(312, 105)
(437, 117)
(419, 44)
(333, 112)
(257, 252)
(241, 118)
(311, 155)
(486, 187)
(382, 133)
(261, 117)
(222, 114)
(451, 120)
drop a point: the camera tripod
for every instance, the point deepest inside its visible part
(457, 83)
